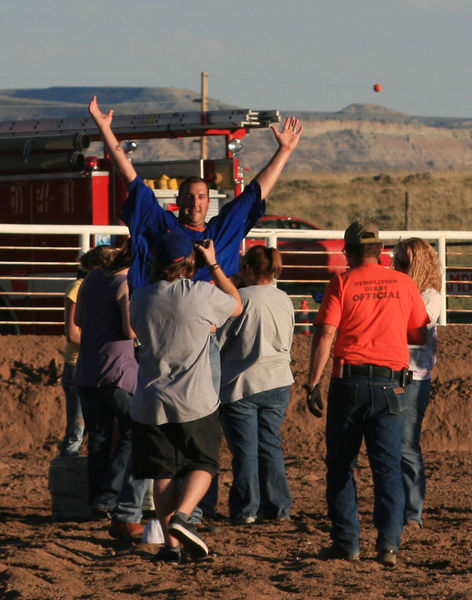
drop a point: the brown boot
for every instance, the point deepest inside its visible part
(127, 532)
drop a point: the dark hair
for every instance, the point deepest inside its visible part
(265, 263)
(193, 179)
(100, 256)
(364, 250)
(171, 272)
(122, 259)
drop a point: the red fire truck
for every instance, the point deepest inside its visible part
(49, 176)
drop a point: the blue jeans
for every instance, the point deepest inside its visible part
(111, 483)
(370, 409)
(414, 480)
(252, 428)
(74, 434)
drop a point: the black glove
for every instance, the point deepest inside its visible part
(313, 399)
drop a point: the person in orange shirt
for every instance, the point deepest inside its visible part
(375, 313)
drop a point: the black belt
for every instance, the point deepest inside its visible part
(370, 371)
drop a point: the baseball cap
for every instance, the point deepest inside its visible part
(361, 232)
(173, 246)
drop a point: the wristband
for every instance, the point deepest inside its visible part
(309, 387)
(214, 266)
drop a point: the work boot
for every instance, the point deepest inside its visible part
(336, 552)
(126, 532)
(387, 558)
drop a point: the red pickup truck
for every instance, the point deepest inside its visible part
(307, 260)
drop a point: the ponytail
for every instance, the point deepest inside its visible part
(265, 263)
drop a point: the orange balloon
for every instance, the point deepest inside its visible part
(377, 87)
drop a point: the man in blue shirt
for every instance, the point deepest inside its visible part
(147, 220)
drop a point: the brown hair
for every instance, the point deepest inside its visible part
(371, 250)
(420, 260)
(192, 179)
(100, 256)
(122, 259)
(265, 263)
(171, 272)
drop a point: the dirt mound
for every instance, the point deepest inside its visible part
(33, 407)
(33, 415)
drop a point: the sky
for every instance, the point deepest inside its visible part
(296, 55)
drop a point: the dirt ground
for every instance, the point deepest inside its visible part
(42, 559)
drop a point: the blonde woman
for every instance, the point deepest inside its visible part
(419, 260)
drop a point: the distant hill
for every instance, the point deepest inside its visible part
(364, 137)
(73, 101)
(381, 114)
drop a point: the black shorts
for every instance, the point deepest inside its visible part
(173, 449)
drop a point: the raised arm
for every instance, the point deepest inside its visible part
(287, 140)
(119, 159)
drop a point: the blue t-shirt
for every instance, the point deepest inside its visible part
(146, 220)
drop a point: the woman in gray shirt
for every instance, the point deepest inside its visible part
(255, 390)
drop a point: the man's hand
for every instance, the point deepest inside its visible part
(313, 399)
(290, 134)
(100, 118)
(121, 162)
(287, 140)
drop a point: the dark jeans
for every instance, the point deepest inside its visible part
(371, 409)
(252, 428)
(111, 483)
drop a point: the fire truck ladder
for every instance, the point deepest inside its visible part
(157, 125)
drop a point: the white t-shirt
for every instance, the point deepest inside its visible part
(423, 358)
(172, 321)
(255, 347)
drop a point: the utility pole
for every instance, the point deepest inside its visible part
(407, 210)
(204, 108)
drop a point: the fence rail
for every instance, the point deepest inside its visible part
(37, 263)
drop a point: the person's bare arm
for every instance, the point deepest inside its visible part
(287, 140)
(119, 159)
(79, 309)
(71, 330)
(122, 298)
(221, 281)
(322, 341)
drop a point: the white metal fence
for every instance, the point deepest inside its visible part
(37, 263)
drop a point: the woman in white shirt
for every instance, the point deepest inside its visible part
(417, 258)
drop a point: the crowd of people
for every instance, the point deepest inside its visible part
(173, 341)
